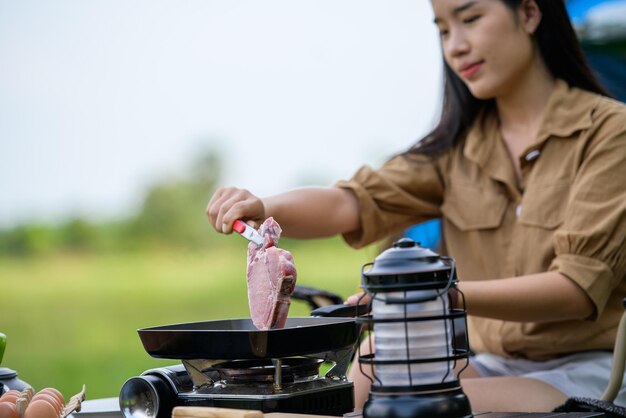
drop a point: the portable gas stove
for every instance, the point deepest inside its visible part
(271, 370)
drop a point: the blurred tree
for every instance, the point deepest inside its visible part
(172, 212)
(79, 235)
(171, 215)
(206, 169)
(28, 240)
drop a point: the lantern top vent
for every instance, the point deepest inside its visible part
(407, 264)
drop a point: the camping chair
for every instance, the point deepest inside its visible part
(605, 403)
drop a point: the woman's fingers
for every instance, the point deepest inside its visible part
(214, 208)
(235, 207)
(358, 298)
(229, 204)
(224, 209)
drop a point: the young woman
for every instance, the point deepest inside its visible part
(526, 169)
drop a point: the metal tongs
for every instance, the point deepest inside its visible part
(248, 232)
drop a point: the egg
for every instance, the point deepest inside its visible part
(11, 394)
(40, 409)
(52, 391)
(8, 410)
(50, 399)
(9, 397)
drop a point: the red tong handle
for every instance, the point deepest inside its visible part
(239, 226)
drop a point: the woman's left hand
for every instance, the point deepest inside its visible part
(358, 298)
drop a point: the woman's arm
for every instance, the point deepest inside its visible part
(314, 212)
(302, 213)
(541, 297)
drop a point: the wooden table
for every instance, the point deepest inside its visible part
(109, 408)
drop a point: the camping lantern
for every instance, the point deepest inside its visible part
(418, 336)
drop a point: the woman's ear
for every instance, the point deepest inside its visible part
(529, 16)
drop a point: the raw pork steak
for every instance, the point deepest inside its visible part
(271, 279)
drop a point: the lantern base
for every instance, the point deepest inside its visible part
(450, 404)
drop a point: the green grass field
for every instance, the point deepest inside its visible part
(71, 320)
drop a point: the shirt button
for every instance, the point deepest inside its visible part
(532, 155)
(518, 210)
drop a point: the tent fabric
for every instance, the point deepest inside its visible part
(601, 28)
(598, 20)
(611, 70)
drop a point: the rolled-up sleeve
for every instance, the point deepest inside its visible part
(590, 245)
(404, 191)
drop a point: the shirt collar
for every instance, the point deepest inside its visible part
(568, 111)
(484, 147)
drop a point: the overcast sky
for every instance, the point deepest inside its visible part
(99, 99)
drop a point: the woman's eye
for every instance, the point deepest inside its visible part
(443, 32)
(471, 19)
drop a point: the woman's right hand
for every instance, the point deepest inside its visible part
(229, 204)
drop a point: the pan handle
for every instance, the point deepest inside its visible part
(342, 310)
(316, 298)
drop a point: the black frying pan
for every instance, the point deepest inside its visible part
(239, 339)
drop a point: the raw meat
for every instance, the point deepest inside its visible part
(271, 279)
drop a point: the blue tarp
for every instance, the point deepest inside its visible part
(598, 21)
(611, 70)
(601, 27)
(578, 9)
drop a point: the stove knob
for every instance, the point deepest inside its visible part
(146, 396)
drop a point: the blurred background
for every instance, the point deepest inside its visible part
(119, 119)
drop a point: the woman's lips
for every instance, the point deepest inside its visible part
(469, 70)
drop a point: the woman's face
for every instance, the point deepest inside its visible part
(487, 44)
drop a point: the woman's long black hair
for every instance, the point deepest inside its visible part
(560, 50)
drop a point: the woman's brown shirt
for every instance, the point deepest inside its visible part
(569, 215)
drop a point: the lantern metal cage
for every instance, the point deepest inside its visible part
(419, 339)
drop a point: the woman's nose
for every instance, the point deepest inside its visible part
(457, 44)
